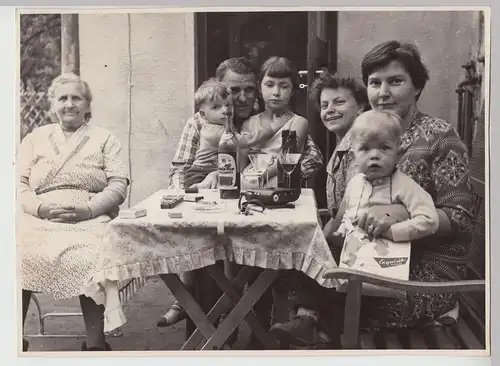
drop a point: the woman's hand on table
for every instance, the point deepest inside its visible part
(210, 182)
(377, 220)
(65, 213)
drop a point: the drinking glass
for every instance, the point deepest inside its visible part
(288, 162)
(260, 163)
(179, 175)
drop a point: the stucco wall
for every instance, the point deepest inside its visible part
(445, 39)
(141, 71)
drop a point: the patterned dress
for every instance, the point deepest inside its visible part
(59, 258)
(339, 174)
(436, 158)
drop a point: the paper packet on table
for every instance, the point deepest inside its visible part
(253, 176)
(132, 213)
(378, 256)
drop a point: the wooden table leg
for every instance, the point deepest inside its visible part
(240, 311)
(190, 305)
(206, 293)
(251, 318)
(222, 305)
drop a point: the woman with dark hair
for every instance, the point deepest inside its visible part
(433, 154)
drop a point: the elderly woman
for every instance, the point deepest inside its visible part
(433, 155)
(72, 181)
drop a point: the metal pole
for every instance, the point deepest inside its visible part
(70, 45)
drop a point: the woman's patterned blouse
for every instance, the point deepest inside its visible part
(436, 158)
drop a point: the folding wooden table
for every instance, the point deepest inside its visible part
(156, 244)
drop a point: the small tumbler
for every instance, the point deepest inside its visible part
(178, 177)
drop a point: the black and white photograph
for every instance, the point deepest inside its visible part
(260, 181)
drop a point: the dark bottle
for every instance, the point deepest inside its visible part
(296, 176)
(284, 150)
(228, 163)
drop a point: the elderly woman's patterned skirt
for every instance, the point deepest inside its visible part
(58, 259)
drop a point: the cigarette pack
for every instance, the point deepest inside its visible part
(190, 198)
(132, 213)
(170, 201)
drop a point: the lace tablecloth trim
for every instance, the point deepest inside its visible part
(256, 258)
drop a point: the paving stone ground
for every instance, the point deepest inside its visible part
(139, 333)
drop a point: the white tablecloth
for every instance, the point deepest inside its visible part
(157, 244)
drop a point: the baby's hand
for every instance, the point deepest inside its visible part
(387, 234)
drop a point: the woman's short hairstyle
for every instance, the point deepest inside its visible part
(404, 52)
(374, 123)
(68, 78)
(238, 65)
(280, 67)
(327, 80)
(210, 90)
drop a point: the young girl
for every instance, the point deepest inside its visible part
(277, 85)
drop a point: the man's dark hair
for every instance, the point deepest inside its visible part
(239, 65)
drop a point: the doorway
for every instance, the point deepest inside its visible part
(309, 39)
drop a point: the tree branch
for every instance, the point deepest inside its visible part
(37, 34)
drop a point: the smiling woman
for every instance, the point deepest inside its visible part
(339, 100)
(71, 105)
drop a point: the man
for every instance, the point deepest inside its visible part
(238, 74)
